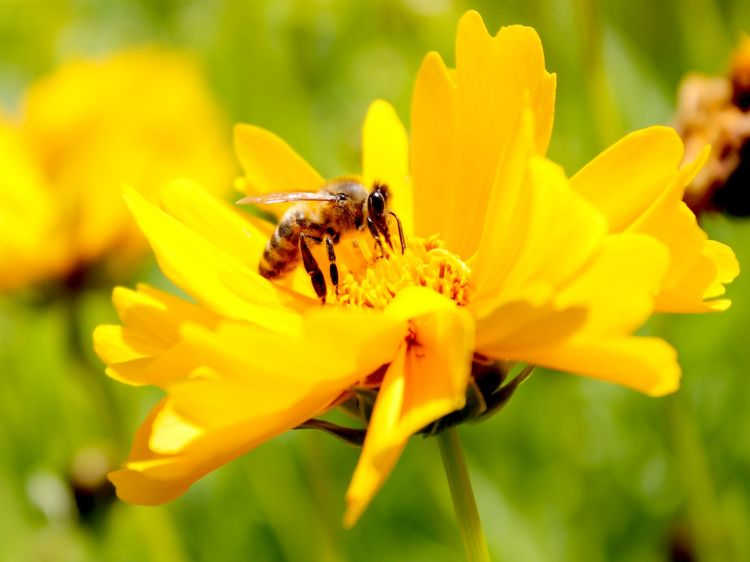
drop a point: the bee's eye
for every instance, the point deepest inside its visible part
(377, 202)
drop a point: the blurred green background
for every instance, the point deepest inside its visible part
(572, 469)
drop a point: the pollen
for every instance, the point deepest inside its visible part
(424, 263)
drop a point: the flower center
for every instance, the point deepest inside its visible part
(424, 263)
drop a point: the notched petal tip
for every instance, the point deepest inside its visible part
(472, 23)
(718, 305)
(727, 264)
(472, 26)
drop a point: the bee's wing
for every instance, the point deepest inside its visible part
(289, 197)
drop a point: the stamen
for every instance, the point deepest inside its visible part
(424, 263)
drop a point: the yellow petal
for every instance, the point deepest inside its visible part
(433, 146)
(171, 432)
(372, 337)
(727, 266)
(212, 275)
(154, 478)
(625, 180)
(545, 233)
(158, 315)
(239, 397)
(479, 106)
(385, 158)
(514, 53)
(219, 223)
(329, 345)
(412, 302)
(618, 285)
(590, 320)
(114, 345)
(438, 368)
(373, 469)
(509, 209)
(523, 325)
(148, 348)
(648, 365)
(135, 486)
(697, 289)
(426, 381)
(209, 402)
(699, 267)
(151, 478)
(611, 295)
(270, 164)
(638, 185)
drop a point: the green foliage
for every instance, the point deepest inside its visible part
(571, 469)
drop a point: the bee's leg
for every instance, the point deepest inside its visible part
(376, 235)
(311, 266)
(383, 228)
(400, 230)
(333, 268)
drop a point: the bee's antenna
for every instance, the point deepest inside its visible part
(400, 231)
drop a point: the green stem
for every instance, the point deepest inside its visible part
(463, 496)
(704, 513)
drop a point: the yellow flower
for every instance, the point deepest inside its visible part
(142, 116)
(27, 214)
(506, 259)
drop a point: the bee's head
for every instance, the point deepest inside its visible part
(378, 214)
(377, 201)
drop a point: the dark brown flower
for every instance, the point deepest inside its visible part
(716, 111)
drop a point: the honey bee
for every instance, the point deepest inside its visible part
(345, 206)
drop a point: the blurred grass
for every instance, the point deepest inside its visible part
(572, 469)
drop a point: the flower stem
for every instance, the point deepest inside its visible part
(463, 496)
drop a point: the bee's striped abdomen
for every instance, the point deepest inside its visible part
(281, 254)
(282, 251)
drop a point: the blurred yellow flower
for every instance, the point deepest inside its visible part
(143, 117)
(27, 216)
(506, 260)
